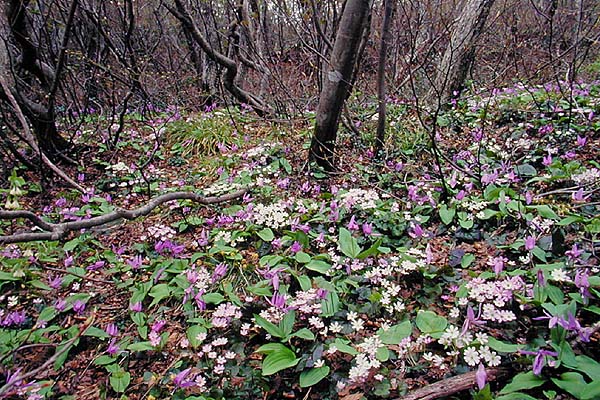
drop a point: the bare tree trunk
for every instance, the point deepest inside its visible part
(460, 53)
(381, 87)
(336, 86)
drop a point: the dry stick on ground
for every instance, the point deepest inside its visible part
(31, 141)
(451, 385)
(59, 231)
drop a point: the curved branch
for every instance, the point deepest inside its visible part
(450, 386)
(53, 231)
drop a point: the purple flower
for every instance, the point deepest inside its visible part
(352, 225)
(158, 325)
(60, 305)
(529, 243)
(578, 195)
(416, 231)
(540, 278)
(460, 195)
(276, 243)
(296, 247)
(112, 329)
(481, 376)
(113, 347)
(79, 307)
(136, 307)
(581, 141)
(367, 229)
(55, 282)
(552, 320)
(547, 160)
(180, 380)
(219, 272)
(574, 253)
(277, 300)
(540, 359)
(96, 266)
(68, 261)
(136, 262)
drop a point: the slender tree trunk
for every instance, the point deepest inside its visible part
(381, 87)
(337, 82)
(460, 53)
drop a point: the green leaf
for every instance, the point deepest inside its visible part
(343, 346)
(348, 244)
(313, 376)
(213, 298)
(383, 354)
(374, 250)
(318, 266)
(545, 211)
(287, 323)
(104, 360)
(192, 334)
(591, 391)
(571, 382)
(330, 304)
(571, 219)
(516, 396)
(526, 170)
(430, 322)
(447, 214)
(588, 366)
(140, 346)
(466, 260)
(278, 358)
(304, 333)
(396, 333)
(270, 327)
(266, 234)
(502, 347)
(523, 381)
(71, 245)
(302, 257)
(159, 292)
(119, 381)
(5, 276)
(487, 214)
(304, 281)
(96, 332)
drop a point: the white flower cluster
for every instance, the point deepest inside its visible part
(494, 295)
(161, 232)
(473, 356)
(363, 199)
(221, 187)
(227, 238)
(587, 177)
(273, 216)
(119, 167)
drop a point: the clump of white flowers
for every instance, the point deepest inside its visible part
(274, 215)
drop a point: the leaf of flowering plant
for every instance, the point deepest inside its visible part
(119, 380)
(348, 244)
(313, 376)
(523, 381)
(395, 334)
(270, 327)
(591, 391)
(430, 322)
(572, 383)
(278, 358)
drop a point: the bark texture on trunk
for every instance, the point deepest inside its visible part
(460, 53)
(337, 81)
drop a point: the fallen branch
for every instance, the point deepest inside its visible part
(54, 231)
(451, 385)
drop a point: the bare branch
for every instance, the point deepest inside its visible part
(58, 231)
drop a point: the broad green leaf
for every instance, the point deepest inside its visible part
(526, 170)
(396, 333)
(591, 391)
(96, 332)
(304, 281)
(5, 276)
(304, 333)
(192, 334)
(266, 234)
(313, 376)
(330, 305)
(213, 298)
(287, 323)
(348, 244)
(545, 211)
(571, 382)
(466, 260)
(270, 327)
(343, 346)
(571, 219)
(516, 396)
(502, 347)
(159, 292)
(279, 357)
(588, 366)
(523, 381)
(302, 257)
(383, 354)
(374, 250)
(140, 346)
(104, 360)
(446, 214)
(120, 380)
(430, 322)
(318, 266)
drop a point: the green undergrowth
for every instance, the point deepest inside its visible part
(366, 286)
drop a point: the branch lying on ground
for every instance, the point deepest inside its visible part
(451, 385)
(58, 231)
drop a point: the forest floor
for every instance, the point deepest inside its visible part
(475, 266)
